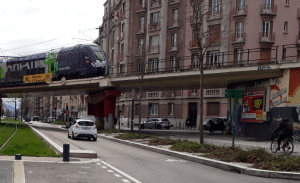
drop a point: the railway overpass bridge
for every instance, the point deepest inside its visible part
(102, 91)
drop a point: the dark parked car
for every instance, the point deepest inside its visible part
(217, 124)
(35, 118)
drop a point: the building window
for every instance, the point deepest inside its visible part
(238, 55)
(122, 68)
(285, 29)
(213, 58)
(142, 24)
(239, 30)
(214, 34)
(284, 54)
(215, 6)
(213, 108)
(195, 61)
(122, 29)
(174, 40)
(136, 109)
(175, 17)
(154, 43)
(124, 6)
(122, 48)
(153, 65)
(174, 62)
(240, 6)
(141, 44)
(154, 109)
(143, 3)
(171, 109)
(266, 29)
(287, 2)
(197, 11)
(112, 55)
(268, 4)
(155, 17)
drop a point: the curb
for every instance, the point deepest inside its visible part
(210, 162)
(59, 150)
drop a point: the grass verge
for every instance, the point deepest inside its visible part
(59, 122)
(10, 120)
(6, 133)
(258, 157)
(27, 143)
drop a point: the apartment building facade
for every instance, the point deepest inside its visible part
(152, 36)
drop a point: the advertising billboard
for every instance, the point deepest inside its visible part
(47, 77)
(253, 106)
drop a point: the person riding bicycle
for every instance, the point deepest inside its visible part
(286, 129)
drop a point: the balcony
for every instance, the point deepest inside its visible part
(240, 12)
(104, 18)
(238, 39)
(194, 44)
(268, 11)
(154, 49)
(266, 38)
(154, 26)
(141, 10)
(120, 56)
(155, 3)
(174, 24)
(213, 93)
(194, 21)
(121, 16)
(213, 40)
(175, 3)
(215, 14)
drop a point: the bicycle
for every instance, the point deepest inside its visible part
(286, 145)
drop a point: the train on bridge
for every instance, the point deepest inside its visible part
(79, 61)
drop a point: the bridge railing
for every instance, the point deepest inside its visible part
(212, 60)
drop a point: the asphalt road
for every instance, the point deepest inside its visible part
(144, 166)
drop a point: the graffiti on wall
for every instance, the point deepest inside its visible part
(279, 93)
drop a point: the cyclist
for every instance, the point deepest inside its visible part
(286, 129)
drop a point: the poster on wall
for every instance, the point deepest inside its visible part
(279, 92)
(253, 103)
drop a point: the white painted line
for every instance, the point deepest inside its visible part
(19, 175)
(98, 163)
(117, 170)
(125, 180)
(110, 171)
(81, 172)
(103, 166)
(117, 175)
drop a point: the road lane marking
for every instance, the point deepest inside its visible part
(110, 171)
(125, 180)
(19, 174)
(117, 170)
(98, 163)
(117, 175)
(103, 166)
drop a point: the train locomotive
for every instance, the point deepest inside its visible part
(80, 61)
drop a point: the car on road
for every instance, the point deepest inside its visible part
(51, 119)
(35, 118)
(159, 122)
(218, 124)
(83, 128)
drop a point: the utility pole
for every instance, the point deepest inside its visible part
(107, 38)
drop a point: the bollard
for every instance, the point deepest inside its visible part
(18, 157)
(66, 153)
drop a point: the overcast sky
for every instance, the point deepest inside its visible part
(31, 26)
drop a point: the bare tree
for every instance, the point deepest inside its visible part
(207, 36)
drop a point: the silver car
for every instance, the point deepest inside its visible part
(159, 122)
(83, 128)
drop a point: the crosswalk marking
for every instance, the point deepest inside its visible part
(19, 175)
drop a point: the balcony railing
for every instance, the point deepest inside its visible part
(215, 14)
(240, 12)
(141, 8)
(268, 10)
(154, 49)
(238, 37)
(155, 3)
(194, 43)
(194, 21)
(154, 26)
(266, 38)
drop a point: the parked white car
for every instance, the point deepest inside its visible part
(83, 128)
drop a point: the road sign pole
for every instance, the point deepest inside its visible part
(234, 121)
